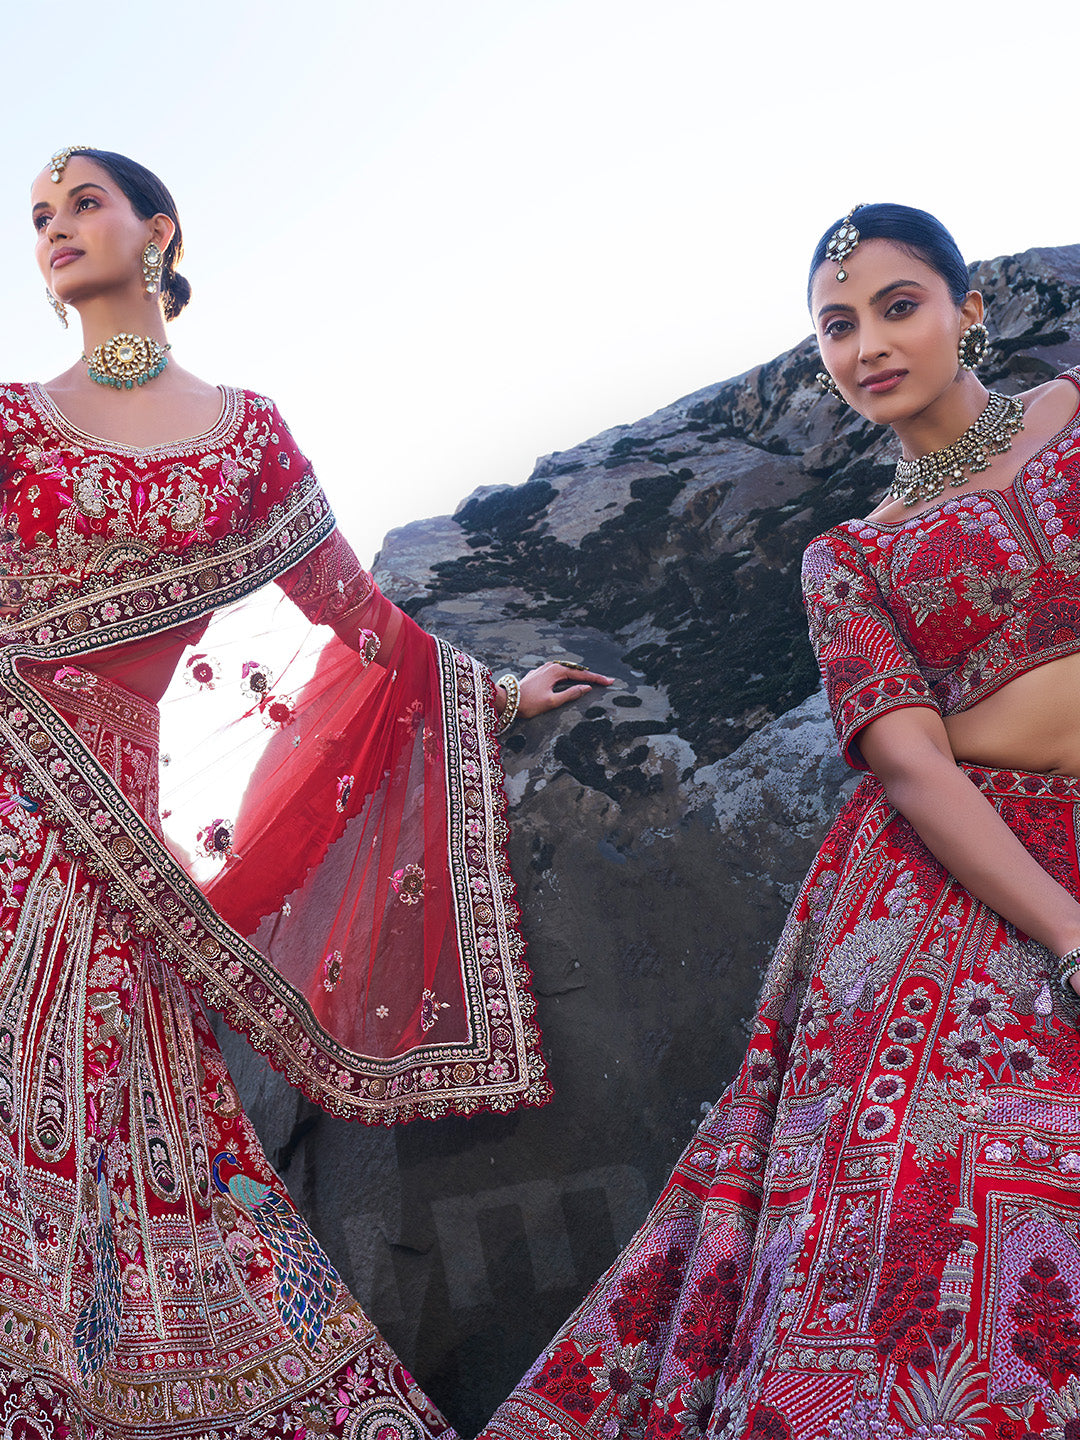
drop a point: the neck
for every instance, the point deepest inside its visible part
(945, 420)
(106, 316)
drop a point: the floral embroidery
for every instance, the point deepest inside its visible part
(918, 1170)
(943, 613)
(254, 680)
(429, 1010)
(277, 711)
(202, 672)
(409, 884)
(216, 838)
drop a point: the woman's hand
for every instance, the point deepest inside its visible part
(538, 688)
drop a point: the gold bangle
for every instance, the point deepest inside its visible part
(513, 698)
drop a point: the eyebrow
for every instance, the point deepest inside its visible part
(86, 185)
(878, 295)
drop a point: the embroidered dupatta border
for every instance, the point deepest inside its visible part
(501, 1066)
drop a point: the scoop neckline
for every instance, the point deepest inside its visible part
(48, 410)
(1070, 425)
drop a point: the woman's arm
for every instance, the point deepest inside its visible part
(332, 588)
(909, 752)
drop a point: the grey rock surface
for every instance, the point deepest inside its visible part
(661, 830)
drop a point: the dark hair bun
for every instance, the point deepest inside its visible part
(149, 197)
(177, 294)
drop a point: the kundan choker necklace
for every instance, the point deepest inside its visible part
(126, 361)
(990, 435)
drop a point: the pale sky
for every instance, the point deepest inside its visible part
(448, 236)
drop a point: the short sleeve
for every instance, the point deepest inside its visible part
(284, 471)
(867, 669)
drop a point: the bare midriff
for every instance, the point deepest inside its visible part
(1032, 723)
(145, 666)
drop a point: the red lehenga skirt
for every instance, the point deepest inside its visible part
(876, 1232)
(155, 1280)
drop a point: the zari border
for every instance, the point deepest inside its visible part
(108, 609)
(501, 1065)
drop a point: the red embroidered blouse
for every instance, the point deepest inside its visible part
(943, 609)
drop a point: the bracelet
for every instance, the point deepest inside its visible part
(1067, 965)
(513, 698)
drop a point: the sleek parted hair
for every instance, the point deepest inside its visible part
(914, 231)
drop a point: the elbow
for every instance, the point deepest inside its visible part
(905, 789)
(912, 761)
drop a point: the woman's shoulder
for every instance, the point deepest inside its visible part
(1054, 405)
(849, 540)
(258, 406)
(15, 390)
(843, 558)
(16, 412)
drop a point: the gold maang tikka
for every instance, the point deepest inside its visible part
(60, 160)
(842, 242)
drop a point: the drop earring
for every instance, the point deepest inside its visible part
(829, 385)
(58, 306)
(152, 263)
(974, 343)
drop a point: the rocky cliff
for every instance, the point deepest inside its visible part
(660, 830)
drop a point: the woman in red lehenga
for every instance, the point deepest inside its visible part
(876, 1232)
(155, 1280)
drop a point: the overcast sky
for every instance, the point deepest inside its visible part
(451, 235)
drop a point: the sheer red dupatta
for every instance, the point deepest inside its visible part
(367, 861)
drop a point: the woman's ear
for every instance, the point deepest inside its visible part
(972, 309)
(162, 230)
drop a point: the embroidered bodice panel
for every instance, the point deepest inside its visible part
(945, 608)
(73, 506)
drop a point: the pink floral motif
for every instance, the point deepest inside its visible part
(331, 969)
(202, 672)
(429, 1010)
(215, 839)
(408, 884)
(344, 790)
(68, 677)
(254, 680)
(277, 711)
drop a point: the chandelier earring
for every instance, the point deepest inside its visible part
(974, 343)
(58, 306)
(152, 264)
(829, 385)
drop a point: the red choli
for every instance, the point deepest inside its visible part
(943, 609)
(74, 507)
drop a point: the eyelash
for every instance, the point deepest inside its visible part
(835, 327)
(40, 221)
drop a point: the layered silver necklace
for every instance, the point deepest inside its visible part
(990, 435)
